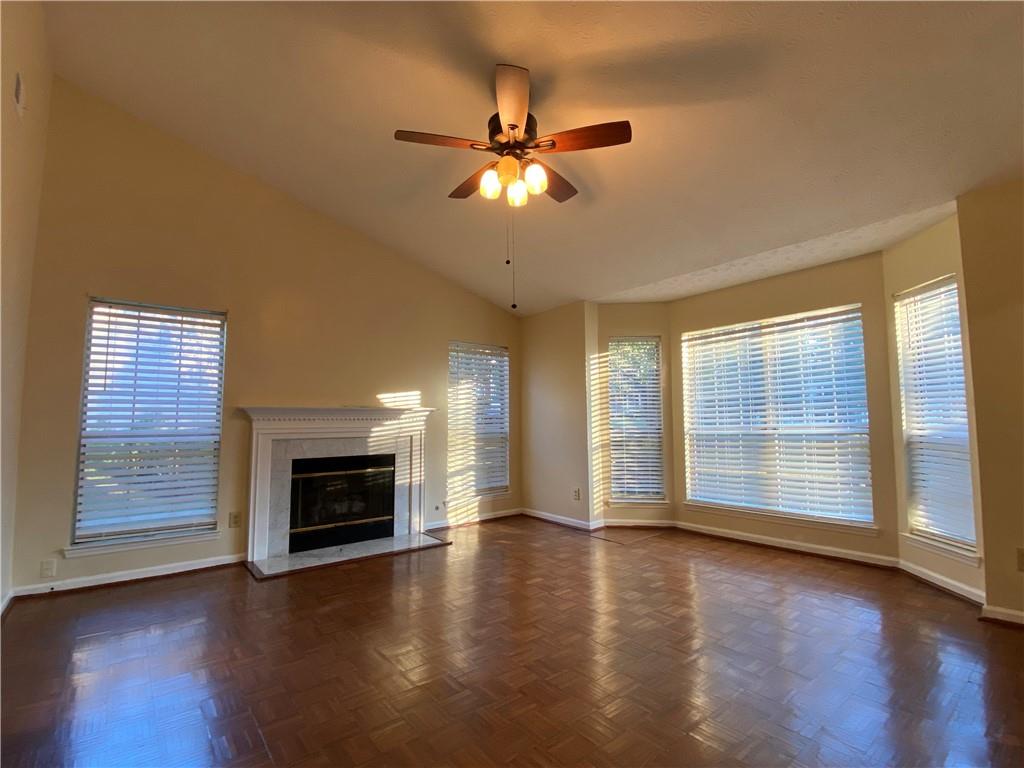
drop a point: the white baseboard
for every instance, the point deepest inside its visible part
(799, 546)
(4, 600)
(571, 522)
(973, 594)
(1003, 614)
(478, 518)
(132, 575)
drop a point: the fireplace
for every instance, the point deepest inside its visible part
(392, 437)
(339, 500)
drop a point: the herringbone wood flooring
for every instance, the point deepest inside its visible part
(523, 643)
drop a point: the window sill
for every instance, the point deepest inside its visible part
(495, 495)
(123, 545)
(649, 503)
(846, 526)
(963, 553)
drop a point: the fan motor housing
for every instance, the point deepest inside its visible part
(494, 128)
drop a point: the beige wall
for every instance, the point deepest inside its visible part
(992, 247)
(317, 314)
(24, 144)
(854, 281)
(928, 255)
(554, 411)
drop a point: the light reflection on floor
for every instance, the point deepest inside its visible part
(521, 643)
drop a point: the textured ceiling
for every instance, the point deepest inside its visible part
(789, 258)
(756, 126)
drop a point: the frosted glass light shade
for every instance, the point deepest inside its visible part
(517, 193)
(490, 187)
(536, 178)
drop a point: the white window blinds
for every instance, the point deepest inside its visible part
(477, 420)
(934, 402)
(634, 419)
(776, 418)
(151, 417)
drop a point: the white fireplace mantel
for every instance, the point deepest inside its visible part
(280, 434)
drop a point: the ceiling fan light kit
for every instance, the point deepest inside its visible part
(521, 177)
(512, 136)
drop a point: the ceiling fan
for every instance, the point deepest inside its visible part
(512, 136)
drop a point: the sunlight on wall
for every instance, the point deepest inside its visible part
(398, 436)
(478, 429)
(411, 399)
(597, 406)
(462, 504)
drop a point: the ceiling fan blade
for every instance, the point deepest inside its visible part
(512, 89)
(590, 137)
(558, 186)
(437, 140)
(470, 185)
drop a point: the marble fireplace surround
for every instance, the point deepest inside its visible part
(282, 434)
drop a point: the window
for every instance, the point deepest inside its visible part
(151, 415)
(776, 416)
(934, 402)
(634, 416)
(477, 419)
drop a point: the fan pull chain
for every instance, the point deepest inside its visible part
(510, 251)
(508, 236)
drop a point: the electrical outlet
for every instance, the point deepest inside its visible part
(576, 494)
(48, 568)
(234, 520)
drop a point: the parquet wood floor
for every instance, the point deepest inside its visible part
(521, 644)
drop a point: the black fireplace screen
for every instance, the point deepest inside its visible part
(341, 499)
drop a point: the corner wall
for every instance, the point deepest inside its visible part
(554, 413)
(930, 255)
(992, 247)
(24, 50)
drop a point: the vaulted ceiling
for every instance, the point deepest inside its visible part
(757, 127)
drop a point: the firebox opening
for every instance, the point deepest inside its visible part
(340, 500)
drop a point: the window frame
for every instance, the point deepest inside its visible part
(867, 525)
(935, 540)
(145, 539)
(499, 490)
(625, 501)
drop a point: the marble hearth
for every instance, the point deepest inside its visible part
(280, 435)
